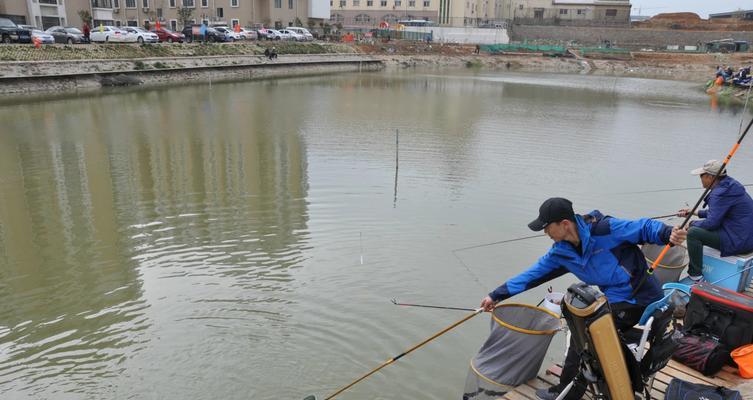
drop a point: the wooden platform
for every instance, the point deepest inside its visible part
(727, 377)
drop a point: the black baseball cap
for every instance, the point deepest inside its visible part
(555, 209)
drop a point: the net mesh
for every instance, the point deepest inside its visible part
(513, 353)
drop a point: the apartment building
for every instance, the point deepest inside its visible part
(353, 13)
(279, 13)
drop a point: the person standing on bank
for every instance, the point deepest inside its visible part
(599, 250)
(726, 221)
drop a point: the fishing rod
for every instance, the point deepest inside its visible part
(395, 302)
(668, 190)
(697, 203)
(397, 357)
(535, 236)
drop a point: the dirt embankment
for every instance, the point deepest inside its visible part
(698, 67)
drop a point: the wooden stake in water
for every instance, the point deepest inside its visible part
(360, 239)
(397, 145)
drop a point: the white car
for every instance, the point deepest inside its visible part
(142, 35)
(293, 35)
(249, 34)
(274, 34)
(301, 31)
(113, 34)
(229, 33)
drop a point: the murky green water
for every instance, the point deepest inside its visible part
(244, 241)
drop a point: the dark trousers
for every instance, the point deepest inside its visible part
(625, 316)
(697, 238)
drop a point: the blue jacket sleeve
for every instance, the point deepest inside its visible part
(712, 218)
(639, 231)
(543, 271)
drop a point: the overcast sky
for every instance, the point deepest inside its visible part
(700, 7)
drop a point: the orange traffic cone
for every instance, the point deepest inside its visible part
(37, 42)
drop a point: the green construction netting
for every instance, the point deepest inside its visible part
(519, 47)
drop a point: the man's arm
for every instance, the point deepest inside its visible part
(714, 216)
(543, 271)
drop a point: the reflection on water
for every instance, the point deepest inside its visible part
(206, 243)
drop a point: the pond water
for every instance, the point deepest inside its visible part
(243, 240)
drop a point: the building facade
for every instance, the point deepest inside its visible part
(567, 12)
(271, 13)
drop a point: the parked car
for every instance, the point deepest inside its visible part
(166, 35)
(67, 34)
(274, 34)
(212, 34)
(262, 33)
(10, 32)
(249, 34)
(292, 35)
(38, 34)
(231, 34)
(111, 34)
(301, 31)
(142, 35)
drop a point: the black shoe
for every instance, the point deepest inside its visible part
(547, 394)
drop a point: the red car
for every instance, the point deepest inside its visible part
(166, 35)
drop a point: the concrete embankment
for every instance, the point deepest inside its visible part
(69, 76)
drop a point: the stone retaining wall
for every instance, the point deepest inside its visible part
(72, 76)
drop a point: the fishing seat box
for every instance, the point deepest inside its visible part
(718, 269)
(721, 313)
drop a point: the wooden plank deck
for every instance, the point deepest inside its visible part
(727, 377)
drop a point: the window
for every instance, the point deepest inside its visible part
(54, 2)
(520, 6)
(563, 11)
(233, 3)
(611, 12)
(363, 18)
(330, 3)
(427, 3)
(337, 18)
(369, 3)
(290, 4)
(204, 3)
(234, 22)
(398, 3)
(278, 3)
(189, 3)
(411, 3)
(383, 3)
(173, 24)
(220, 12)
(145, 3)
(130, 3)
(356, 3)
(343, 3)
(581, 11)
(118, 23)
(390, 18)
(172, 3)
(159, 13)
(115, 3)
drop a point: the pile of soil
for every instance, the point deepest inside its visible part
(692, 22)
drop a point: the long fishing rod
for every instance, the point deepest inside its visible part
(697, 203)
(535, 236)
(397, 357)
(395, 302)
(668, 190)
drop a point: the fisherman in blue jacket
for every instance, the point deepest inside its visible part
(726, 223)
(599, 250)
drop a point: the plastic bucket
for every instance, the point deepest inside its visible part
(553, 301)
(671, 265)
(743, 356)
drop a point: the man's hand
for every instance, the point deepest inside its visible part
(487, 303)
(683, 212)
(678, 235)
